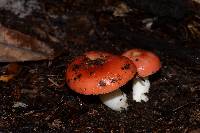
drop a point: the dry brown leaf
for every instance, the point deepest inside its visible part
(16, 46)
(6, 78)
(10, 71)
(121, 10)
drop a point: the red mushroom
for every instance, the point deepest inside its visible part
(97, 72)
(147, 63)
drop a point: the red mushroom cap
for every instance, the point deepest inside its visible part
(146, 62)
(99, 73)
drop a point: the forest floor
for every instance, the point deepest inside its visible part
(37, 99)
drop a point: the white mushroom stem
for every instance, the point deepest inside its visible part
(115, 100)
(140, 88)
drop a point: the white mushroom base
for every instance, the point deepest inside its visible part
(140, 88)
(116, 100)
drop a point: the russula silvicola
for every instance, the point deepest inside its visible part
(147, 63)
(101, 73)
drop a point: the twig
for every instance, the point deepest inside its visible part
(53, 82)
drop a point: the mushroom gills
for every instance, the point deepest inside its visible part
(140, 88)
(116, 100)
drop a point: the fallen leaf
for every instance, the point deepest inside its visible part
(10, 71)
(121, 9)
(16, 47)
(6, 78)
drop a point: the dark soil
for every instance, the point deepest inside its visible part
(83, 25)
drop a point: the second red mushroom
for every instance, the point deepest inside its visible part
(147, 63)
